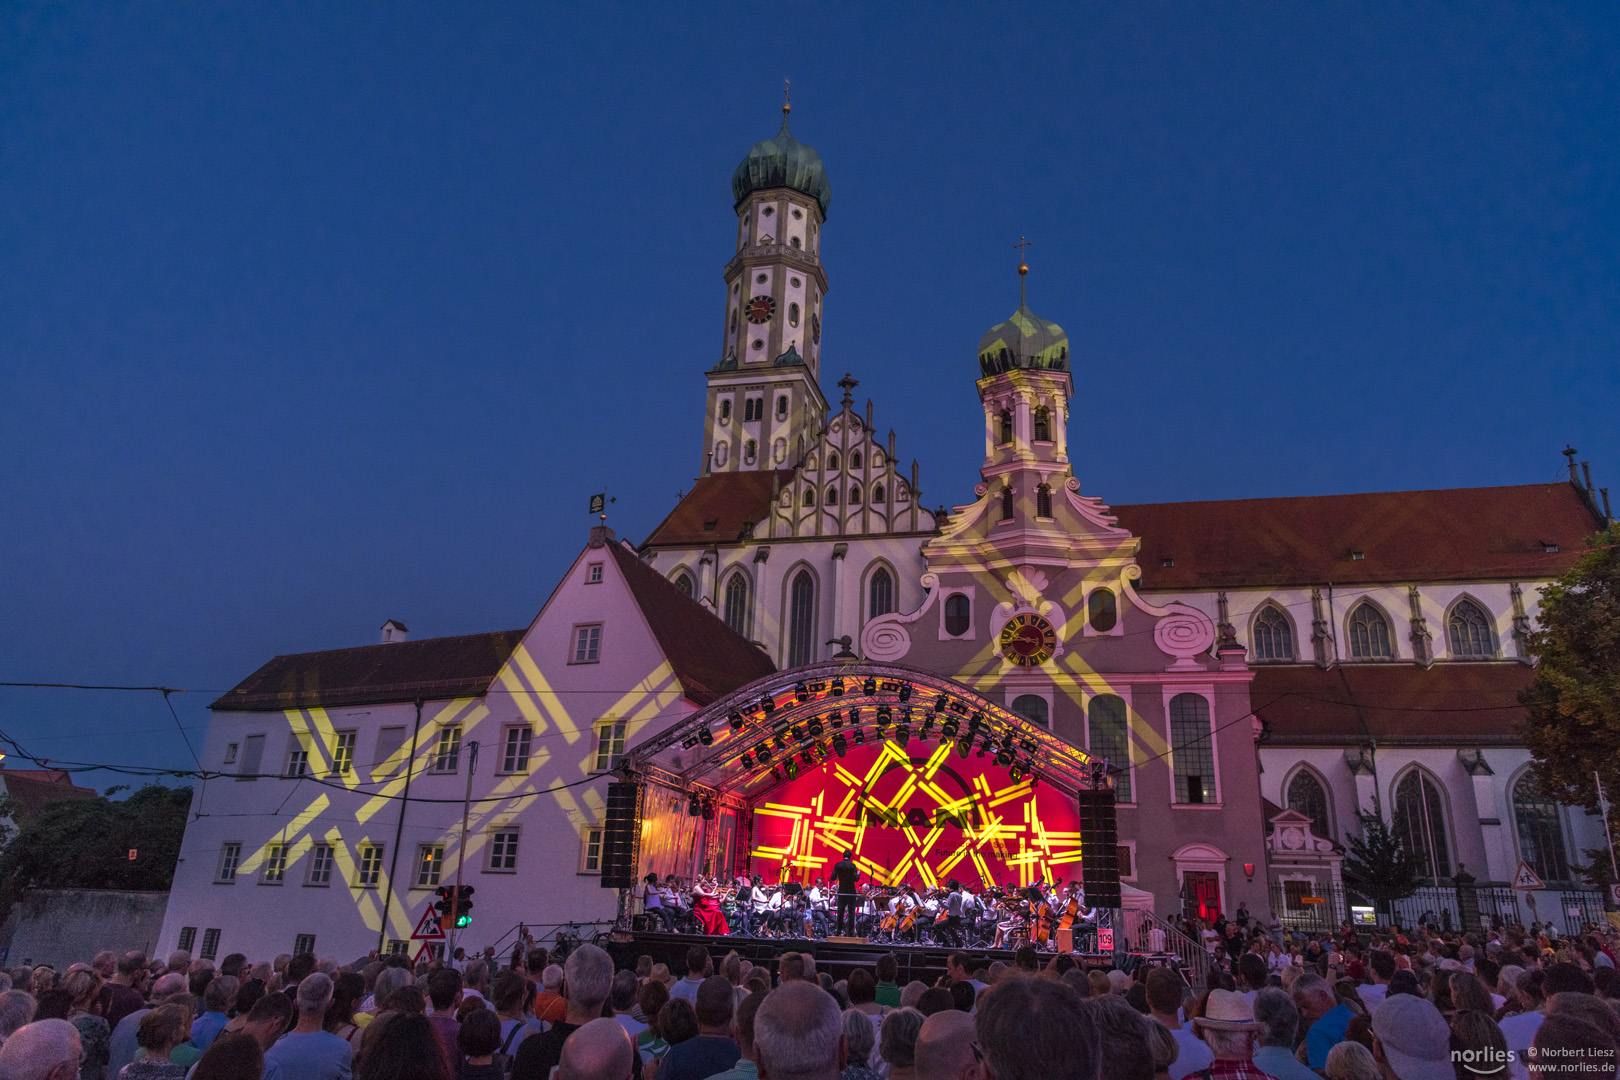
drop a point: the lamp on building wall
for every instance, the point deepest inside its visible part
(1248, 870)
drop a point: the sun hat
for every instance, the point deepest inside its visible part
(1227, 1010)
(1416, 1039)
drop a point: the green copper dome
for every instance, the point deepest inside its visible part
(1025, 340)
(782, 162)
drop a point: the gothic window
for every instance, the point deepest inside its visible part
(1108, 738)
(781, 406)
(1006, 504)
(1032, 707)
(880, 594)
(809, 496)
(832, 462)
(1420, 823)
(1273, 637)
(733, 320)
(855, 459)
(737, 604)
(1043, 501)
(1006, 426)
(832, 496)
(1541, 832)
(793, 309)
(1043, 424)
(753, 409)
(1369, 634)
(1470, 632)
(725, 409)
(1192, 750)
(1307, 795)
(1102, 610)
(801, 619)
(877, 493)
(855, 495)
(749, 451)
(957, 614)
(683, 582)
(794, 241)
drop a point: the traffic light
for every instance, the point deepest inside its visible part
(446, 895)
(464, 907)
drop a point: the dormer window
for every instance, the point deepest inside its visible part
(1550, 549)
(1358, 556)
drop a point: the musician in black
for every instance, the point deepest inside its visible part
(846, 873)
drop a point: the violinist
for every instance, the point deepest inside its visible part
(652, 903)
(818, 921)
(756, 906)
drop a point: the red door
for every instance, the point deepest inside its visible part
(1202, 888)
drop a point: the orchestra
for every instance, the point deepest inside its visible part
(949, 914)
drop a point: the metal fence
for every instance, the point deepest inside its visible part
(1448, 907)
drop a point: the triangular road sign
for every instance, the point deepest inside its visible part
(429, 928)
(424, 953)
(1525, 878)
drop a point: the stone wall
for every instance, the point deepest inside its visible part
(60, 926)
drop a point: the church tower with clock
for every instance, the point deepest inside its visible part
(765, 406)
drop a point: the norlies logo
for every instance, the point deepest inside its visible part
(1488, 1061)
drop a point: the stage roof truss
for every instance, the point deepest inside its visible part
(715, 752)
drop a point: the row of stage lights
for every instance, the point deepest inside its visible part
(811, 747)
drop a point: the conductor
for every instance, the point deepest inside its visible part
(845, 873)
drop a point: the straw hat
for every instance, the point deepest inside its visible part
(660, 973)
(1226, 1010)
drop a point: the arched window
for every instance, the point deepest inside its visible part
(1108, 738)
(957, 614)
(1032, 707)
(781, 406)
(801, 619)
(832, 462)
(1470, 632)
(1192, 750)
(749, 451)
(832, 497)
(1043, 424)
(793, 309)
(1369, 634)
(1420, 823)
(733, 320)
(1273, 637)
(737, 604)
(1043, 501)
(854, 459)
(1307, 795)
(1006, 427)
(880, 594)
(809, 496)
(1541, 830)
(683, 582)
(855, 495)
(725, 409)
(877, 493)
(1006, 504)
(793, 241)
(1103, 610)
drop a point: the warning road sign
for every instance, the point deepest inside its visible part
(1525, 879)
(424, 953)
(429, 928)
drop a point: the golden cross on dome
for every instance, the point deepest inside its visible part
(1023, 267)
(787, 96)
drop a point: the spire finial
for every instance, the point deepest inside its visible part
(1023, 267)
(848, 382)
(787, 95)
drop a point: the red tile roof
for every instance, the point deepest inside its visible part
(33, 788)
(730, 500)
(1452, 704)
(1456, 534)
(709, 658)
(433, 669)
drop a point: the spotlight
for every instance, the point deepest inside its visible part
(884, 714)
(781, 743)
(905, 714)
(1016, 773)
(816, 727)
(776, 774)
(801, 693)
(736, 719)
(965, 748)
(1003, 758)
(708, 810)
(768, 704)
(943, 703)
(905, 691)
(985, 744)
(860, 737)
(693, 808)
(1034, 779)
(1007, 742)
(807, 757)
(837, 687)
(798, 733)
(705, 736)
(689, 742)
(747, 761)
(950, 727)
(854, 717)
(763, 752)
(869, 687)
(792, 770)
(976, 722)
(840, 745)
(902, 735)
(927, 728)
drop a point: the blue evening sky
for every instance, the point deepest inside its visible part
(315, 315)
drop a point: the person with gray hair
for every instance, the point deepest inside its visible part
(1122, 1038)
(1278, 1018)
(1351, 1061)
(858, 1041)
(44, 1050)
(388, 980)
(16, 1009)
(897, 1042)
(217, 1000)
(309, 1050)
(598, 1050)
(799, 1034)
(586, 984)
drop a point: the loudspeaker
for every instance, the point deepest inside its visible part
(619, 835)
(1099, 848)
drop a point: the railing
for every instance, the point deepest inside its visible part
(1448, 907)
(1143, 929)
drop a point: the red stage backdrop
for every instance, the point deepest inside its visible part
(923, 815)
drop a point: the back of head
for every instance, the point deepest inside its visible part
(1467, 992)
(443, 986)
(231, 1057)
(1123, 1039)
(38, 1049)
(1037, 1029)
(315, 993)
(1563, 1041)
(1252, 970)
(389, 980)
(747, 1013)
(535, 961)
(625, 988)
(652, 997)
(599, 1050)
(277, 1007)
(131, 962)
(859, 1037)
(480, 1033)
(1277, 1016)
(1586, 1007)
(944, 1048)
(911, 993)
(221, 994)
(792, 966)
(401, 1044)
(888, 968)
(677, 1021)
(697, 961)
(897, 1038)
(861, 987)
(169, 986)
(934, 1000)
(797, 1032)
(1351, 1061)
(551, 978)
(163, 1027)
(299, 966)
(234, 964)
(1100, 985)
(963, 997)
(589, 974)
(1163, 990)
(715, 998)
(1382, 963)
(1566, 978)
(1164, 1046)
(16, 1009)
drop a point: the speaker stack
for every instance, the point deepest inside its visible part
(619, 834)
(1099, 848)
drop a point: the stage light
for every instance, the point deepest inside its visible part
(689, 742)
(860, 737)
(807, 757)
(854, 717)
(943, 703)
(840, 746)
(965, 748)
(1003, 758)
(693, 809)
(1016, 773)
(905, 714)
(927, 728)
(976, 722)
(801, 693)
(905, 691)
(1034, 780)
(869, 687)
(816, 727)
(1007, 742)
(708, 810)
(837, 687)
(781, 743)
(763, 752)
(736, 719)
(950, 728)
(776, 774)
(768, 704)
(792, 770)
(705, 736)
(902, 735)
(747, 761)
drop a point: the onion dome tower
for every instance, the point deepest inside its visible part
(1024, 386)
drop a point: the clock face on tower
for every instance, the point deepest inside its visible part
(1028, 640)
(760, 309)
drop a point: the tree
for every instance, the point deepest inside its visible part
(1378, 864)
(85, 844)
(1573, 700)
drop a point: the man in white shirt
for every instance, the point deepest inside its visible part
(1381, 966)
(1164, 993)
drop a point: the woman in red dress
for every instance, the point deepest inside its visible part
(706, 908)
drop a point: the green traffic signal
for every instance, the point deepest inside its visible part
(463, 920)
